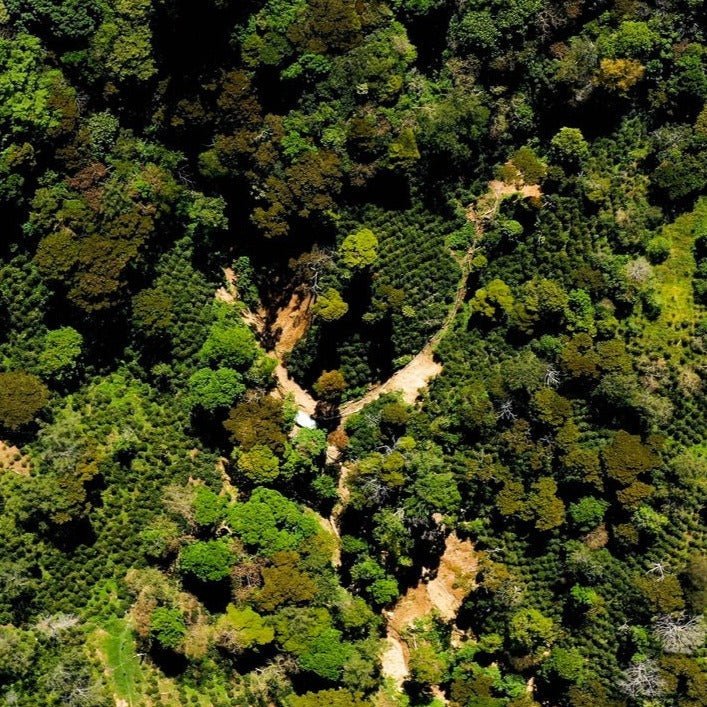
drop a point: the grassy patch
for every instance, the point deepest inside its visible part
(122, 663)
(673, 287)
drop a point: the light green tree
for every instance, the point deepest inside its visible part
(360, 249)
(330, 306)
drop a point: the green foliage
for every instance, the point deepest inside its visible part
(27, 87)
(492, 301)
(22, 396)
(270, 523)
(244, 628)
(257, 422)
(310, 637)
(627, 457)
(330, 385)
(17, 649)
(230, 345)
(122, 43)
(587, 513)
(62, 349)
(359, 249)
(329, 698)
(559, 308)
(167, 627)
(570, 146)
(530, 166)
(259, 464)
(529, 631)
(213, 389)
(330, 306)
(209, 508)
(566, 664)
(209, 561)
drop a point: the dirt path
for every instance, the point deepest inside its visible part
(457, 568)
(409, 380)
(291, 321)
(443, 594)
(290, 325)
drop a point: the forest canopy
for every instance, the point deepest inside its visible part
(353, 354)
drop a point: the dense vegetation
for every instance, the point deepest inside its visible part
(168, 534)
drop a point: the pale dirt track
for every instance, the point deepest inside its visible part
(291, 321)
(445, 593)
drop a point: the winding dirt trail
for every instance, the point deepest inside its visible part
(454, 578)
(291, 321)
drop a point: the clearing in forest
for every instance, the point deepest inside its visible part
(672, 281)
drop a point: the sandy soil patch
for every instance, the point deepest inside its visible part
(12, 459)
(444, 594)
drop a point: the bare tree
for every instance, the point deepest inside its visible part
(309, 267)
(52, 626)
(642, 680)
(659, 570)
(510, 594)
(375, 490)
(638, 270)
(680, 633)
(552, 377)
(506, 411)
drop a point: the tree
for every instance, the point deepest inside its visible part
(642, 680)
(620, 74)
(530, 166)
(330, 385)
(153, 313)
(330, 306)
(229, 345)
(242, 629)
(492, 301)
(359, 249)
(587, 513)
(160, 538)
(167, 627)
(122, 45)
(257, 422)
(568, 664)
(17, 650)
(695, 581)
(209, 507)
(551, 408)
(62, 349)
(207, 560)
(285, 583)
(661, 594)
(269, 523)
(549, 509)
(529, 631)
(259, 464)
(680, 633)
(569, 146)
(22, 396)
(213, 389)
(28, 89)
(626, 457)
(309, 635)
(427, 665)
